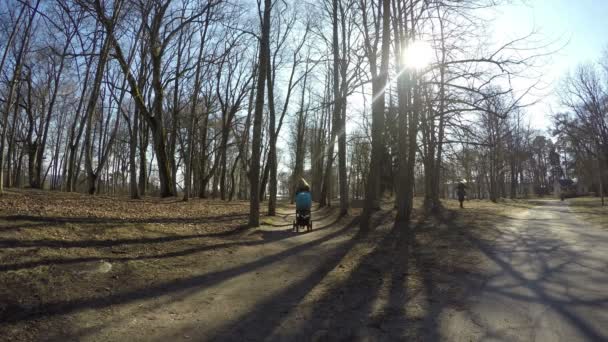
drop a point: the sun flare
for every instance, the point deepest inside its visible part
(417, 55)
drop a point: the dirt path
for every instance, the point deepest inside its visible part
(546, 280)
(542, 279)
(240, 294)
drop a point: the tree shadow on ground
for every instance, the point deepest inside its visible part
(198, 282)
(338, 247)
(351, 310)
(378, 300)
(447, 278)
(370, 303)
(261, 322)
(95, 243)
(267, 236)
(48, 220)
(553, 263)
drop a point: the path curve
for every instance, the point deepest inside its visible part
(547, 280)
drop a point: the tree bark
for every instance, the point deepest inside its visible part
(143, 159)
(341, 120)
(378, 89)
(254, 197)
(272, 137)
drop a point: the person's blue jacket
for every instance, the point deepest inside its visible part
(303, 201)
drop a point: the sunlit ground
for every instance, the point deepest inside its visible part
(590, 209)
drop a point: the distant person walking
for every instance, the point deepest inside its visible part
(461, 192)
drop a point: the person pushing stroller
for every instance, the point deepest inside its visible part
(303, 206)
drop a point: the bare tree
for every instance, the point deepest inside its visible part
(256, 150)
(379, 74)
(14, 79)
(586, 96)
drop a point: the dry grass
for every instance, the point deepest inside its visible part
(61, 205)
(482, 217)
(51, 245)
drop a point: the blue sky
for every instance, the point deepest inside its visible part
(581, 24)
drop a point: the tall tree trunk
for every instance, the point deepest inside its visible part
(600, 170)
(317, 152)
(159, 133)
(254, 197)
(89, 113)
(162, 159)
(203, 155)
(223, 155)
(143, 159)
(189, 152)
(513, 188)
(175, 113)
(344, 199)
(233, 178)
(77, 168)
(337, 106)
(435, 202)
(265, 175)
(11, 142)
(409, 107)
(298, 171)
(325, 198)
(378, 91)
(411, 154)
(192, 122)
(133, 189)
(341, 111)
(272, 149)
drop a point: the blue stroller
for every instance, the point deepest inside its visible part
(303, 205)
